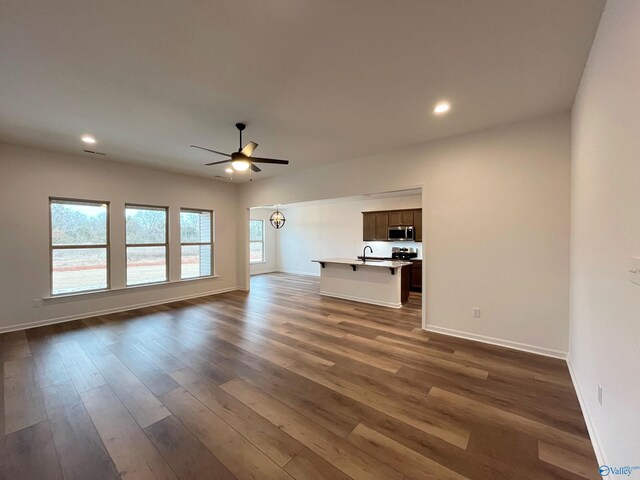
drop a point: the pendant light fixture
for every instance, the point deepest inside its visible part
(277, 219)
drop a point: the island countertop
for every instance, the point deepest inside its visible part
(371, 263)
(384, 283)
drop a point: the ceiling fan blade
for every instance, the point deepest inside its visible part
(269, 160)
(255, 168)
(212, 151)
(217, 163)
(249, 148)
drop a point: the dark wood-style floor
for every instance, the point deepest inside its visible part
(281, 383)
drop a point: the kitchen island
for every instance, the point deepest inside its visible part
(384, 283)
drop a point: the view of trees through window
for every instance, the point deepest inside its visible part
(146, 225)
(146, 238)
(196, 245)
(256, 241)
(79, 244)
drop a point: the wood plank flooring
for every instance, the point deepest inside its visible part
(281, 383)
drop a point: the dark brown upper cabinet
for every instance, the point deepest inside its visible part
(401, 218)
(382, 226)
(395, 218)
(375, 225)
(368, 227)
(406, 218)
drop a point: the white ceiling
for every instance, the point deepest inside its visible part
(317, 81)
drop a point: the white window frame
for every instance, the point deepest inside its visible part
(142, 245)
(200, 244)
(52, 247)
(264, 253)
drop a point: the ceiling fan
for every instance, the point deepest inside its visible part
(242, 159)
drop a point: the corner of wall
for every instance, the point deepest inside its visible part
(598, 446)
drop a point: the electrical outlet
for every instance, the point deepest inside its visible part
(600, 394)
(37, 302)
(476, 312)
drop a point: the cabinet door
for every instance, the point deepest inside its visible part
(406, 218)
(416, 275)
(382, 226)
(368, 227)
(417, 225)
(395, 218)
(405, 283)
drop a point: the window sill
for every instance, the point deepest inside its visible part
(257, 263)
(114, 291)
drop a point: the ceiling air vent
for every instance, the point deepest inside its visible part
(95, 153)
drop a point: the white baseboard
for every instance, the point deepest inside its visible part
(52, 321)
(263, 272)
(547, 352)
(593, 433)
(295, 272)
(361, 300)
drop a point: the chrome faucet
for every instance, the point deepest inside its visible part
(364, 252)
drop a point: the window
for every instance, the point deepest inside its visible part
(146, 244)
(79, 245)
(195, 243)
(256, 241)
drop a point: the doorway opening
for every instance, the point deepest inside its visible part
(341, 228)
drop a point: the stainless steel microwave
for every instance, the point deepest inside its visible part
(400, 234)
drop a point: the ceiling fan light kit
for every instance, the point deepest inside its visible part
(240, 165)
(242, 160)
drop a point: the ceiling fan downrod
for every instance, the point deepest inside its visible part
(240, 127)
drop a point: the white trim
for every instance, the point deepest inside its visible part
(591, 428)
(106, 291)
(78, 316)
(547, 352)
(361, 300)
(593, 433)
(294, 272)
(263, 272)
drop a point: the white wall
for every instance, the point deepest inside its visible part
(333, 230)
(605, 233)
(270, 242)
(29, 176)
(496, 225)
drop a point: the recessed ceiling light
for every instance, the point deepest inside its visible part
(88, 139)
(442, 107)
(228, 170)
